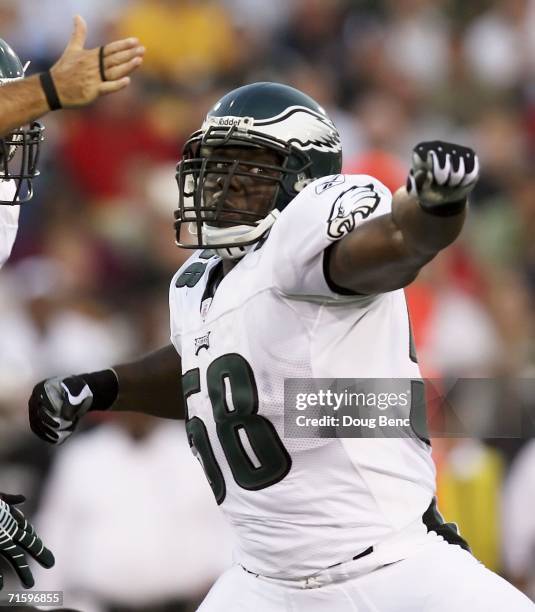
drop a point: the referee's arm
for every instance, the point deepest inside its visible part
(78, 78)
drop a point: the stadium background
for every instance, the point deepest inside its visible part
(132, 526)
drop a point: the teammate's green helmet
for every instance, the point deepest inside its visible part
(19, 150)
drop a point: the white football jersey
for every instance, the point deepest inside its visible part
(9, 220)
(297, 504)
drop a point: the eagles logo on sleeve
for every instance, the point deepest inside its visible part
(359, 200)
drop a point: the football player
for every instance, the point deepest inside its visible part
(76, 79)
(298, 274)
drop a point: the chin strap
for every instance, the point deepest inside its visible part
(241, 238)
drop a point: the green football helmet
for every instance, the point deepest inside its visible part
(268, 116)
(19, 150)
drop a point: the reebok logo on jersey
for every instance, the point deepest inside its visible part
(359, 200)
(339, 179)
(202, 342)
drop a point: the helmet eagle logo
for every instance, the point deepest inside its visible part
(303, 128)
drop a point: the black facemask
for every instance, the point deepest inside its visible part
(19, 157)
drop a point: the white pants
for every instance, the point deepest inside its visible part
(439, 577)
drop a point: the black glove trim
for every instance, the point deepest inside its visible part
(447, 209)
(104, 386)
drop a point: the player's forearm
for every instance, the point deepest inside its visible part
(20, 103)
(152, 385)
(424, 234)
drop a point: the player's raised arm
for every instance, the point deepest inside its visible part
(151, 385)
(78, 77)
(387, 252)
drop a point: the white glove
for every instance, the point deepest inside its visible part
(442, 174)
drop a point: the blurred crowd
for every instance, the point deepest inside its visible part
(88, 280)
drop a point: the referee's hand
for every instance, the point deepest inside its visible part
(78, 74)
